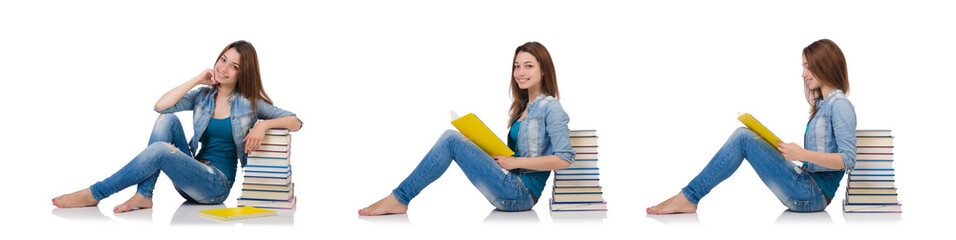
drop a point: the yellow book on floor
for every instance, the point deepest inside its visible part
(228, 214)
(480, 134)
(758, 128)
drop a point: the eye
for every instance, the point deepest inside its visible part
(530, 66)
(516, 67)
(235, 67)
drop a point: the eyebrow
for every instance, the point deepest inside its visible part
(526, 62)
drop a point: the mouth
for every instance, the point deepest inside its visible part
(523, 80)
(221, 76)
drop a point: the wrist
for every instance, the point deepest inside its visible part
(264, 124)
(805, 155)
(194, 82)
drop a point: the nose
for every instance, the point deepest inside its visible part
(521, 72)
(804, 74)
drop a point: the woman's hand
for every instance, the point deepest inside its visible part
(254, 139)
(507, 162)
(205, 78)
(791, 151)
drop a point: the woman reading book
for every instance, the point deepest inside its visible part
(830, 141)
(539, 137)
(226, 113)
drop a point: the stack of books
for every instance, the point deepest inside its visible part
(577, 188)
(268, 175)
(871, 184)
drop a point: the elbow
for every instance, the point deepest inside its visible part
(159, 107)
(849, 161)
(564, 164)
(296, 125)
(560, 163)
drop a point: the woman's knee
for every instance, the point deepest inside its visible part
(451, 135)
(743, 132)
(154, 152)
(163, 121)
(159, 148)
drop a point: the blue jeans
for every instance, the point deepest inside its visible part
(167, 152)
(503, 190)
(791, 184)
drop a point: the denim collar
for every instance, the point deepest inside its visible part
(535, 99)
(829, 97)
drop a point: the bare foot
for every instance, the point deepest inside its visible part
(136, 202)
(676, 204)
(388, 205)
(81, 198)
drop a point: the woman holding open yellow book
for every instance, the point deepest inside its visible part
(830, 142)
(226, 120)
(539, 137)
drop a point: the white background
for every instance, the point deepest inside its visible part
(374, 82)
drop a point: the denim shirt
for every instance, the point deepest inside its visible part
(832, 130)
(202, 102)
(544, 131)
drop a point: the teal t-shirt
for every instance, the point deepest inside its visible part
(534, 181)
(218, 147)
(827, 181)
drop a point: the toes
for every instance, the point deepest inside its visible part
(121, 208)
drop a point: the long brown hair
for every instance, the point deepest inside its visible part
(549, 81)
(825, 60)
(248, 83)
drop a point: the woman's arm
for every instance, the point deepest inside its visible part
(172, 97)
(793, 152)
(543, 163)
(843, 122)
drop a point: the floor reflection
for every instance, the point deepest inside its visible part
(139, 216)
(188, 214)
(677, 219)
(392, 219)
(873, 218)
(83, 214)
(578, 217)
(501, 217)
(788, 217)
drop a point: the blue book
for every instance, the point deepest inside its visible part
(577, 176)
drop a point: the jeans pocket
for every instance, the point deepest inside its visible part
(214, 200)
(506, 205)
(803, 206)
(797, 206)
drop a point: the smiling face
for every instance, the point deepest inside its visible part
(226, 70)
(808, 78)
(526, 71)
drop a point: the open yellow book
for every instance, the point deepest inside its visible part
(755, 125)
(480, 134)
(227, 214)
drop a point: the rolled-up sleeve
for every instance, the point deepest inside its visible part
(557, 128)
(264, 110)
(187, 102)
(843, 121)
